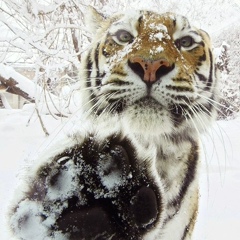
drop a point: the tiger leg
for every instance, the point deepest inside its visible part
(181, 226)
(89, 190)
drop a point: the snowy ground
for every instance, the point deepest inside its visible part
(219, 213)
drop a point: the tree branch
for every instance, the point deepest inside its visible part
(11, 87)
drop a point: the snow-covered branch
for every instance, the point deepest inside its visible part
(15, 83)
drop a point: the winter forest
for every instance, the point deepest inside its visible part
(41, 46)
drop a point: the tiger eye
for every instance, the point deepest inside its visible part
(186, 41)
(124, 36)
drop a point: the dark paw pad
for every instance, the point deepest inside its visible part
(145, 207)
(86, 223)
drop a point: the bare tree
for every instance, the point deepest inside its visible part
(50, 36)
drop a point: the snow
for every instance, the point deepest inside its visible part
(34, 230)
(110, 180)
(158, 27)
(23, 83)
(47, 102)
(219, 213)
(65, 185)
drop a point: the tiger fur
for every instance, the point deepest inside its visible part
(149, 87)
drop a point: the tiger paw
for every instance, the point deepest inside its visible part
(91, 190)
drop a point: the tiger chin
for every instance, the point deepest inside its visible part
(149, 87)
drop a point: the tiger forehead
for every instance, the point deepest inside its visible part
(152, 23)
(149, 22)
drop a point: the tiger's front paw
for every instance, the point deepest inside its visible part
(92, 190)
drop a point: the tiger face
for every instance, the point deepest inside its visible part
(153, 71)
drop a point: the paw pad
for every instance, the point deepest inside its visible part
(145, 207)
(95, 191)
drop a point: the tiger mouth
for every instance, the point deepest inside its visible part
(142, 103)
(118, 106)
(147, 101)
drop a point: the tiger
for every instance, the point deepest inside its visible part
(149, 87)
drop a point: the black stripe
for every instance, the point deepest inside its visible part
(189, 176)
(96, 59)
(185, 232)
(123, 74)
(89, 68)
(210, 78)
(201, 43)
(195, 48)
(96, 56)
(140, 20)
(179, 88)
(201, 59)
(202, 78)
(187, 228)
(194, 32)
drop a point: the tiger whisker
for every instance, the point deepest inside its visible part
(220, 137)
(214, 103)
(196, 115)
(111, 106)
(221, 96)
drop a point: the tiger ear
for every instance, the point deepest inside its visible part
(94, 19)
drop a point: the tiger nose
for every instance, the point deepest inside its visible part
(149, 68)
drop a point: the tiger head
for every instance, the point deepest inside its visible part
(154, 71)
